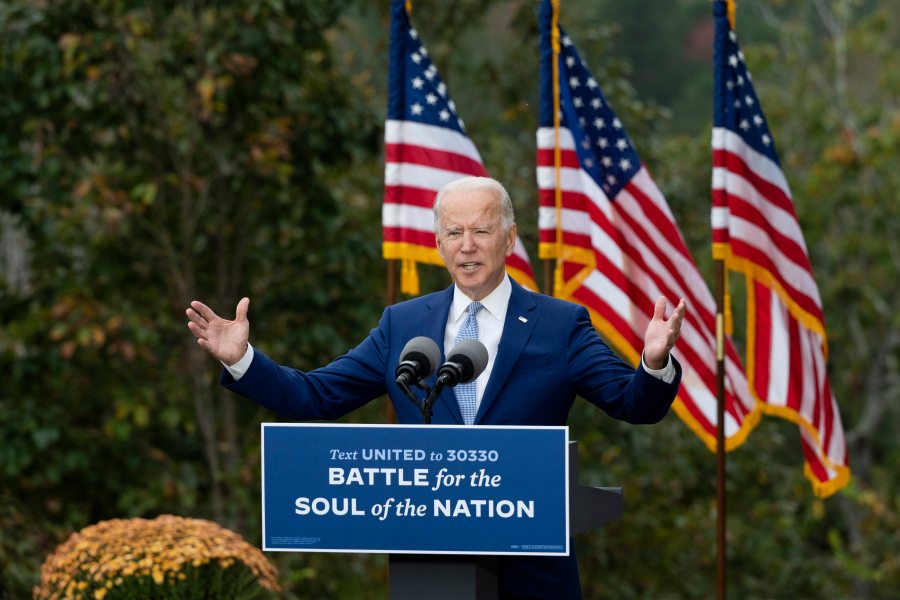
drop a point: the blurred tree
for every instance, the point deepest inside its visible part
(160, 152)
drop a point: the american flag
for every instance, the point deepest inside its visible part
(755, 230)
(621, 247)
(426, 147)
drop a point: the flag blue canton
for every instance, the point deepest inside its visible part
(604, 150)
(737, 106)
(416, 92)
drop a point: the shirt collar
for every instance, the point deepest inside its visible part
(494, 303)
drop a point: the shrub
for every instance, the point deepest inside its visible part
(166, 557)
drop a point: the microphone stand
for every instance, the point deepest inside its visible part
(431, 394)
(404, 387)
(450, 373)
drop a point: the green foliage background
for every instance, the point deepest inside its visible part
(157, 152)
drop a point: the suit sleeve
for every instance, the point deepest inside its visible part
(608, 382)
(332, 391)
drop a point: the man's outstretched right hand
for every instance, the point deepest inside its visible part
(225, 340)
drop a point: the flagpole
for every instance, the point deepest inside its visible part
(548, 278)
(391, 295)
(720, 429)
(557, 153)
(390, 416)
(723, 312)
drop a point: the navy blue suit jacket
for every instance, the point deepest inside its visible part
(549, 352)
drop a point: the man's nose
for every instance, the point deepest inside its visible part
(468, 241)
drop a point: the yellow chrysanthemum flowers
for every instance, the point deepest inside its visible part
(164, 557)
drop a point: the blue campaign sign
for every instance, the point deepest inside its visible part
(415, 489)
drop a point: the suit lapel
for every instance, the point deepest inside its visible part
(517, 330)
(438, 313)
(435, 318)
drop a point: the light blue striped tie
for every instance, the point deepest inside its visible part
(466, 392)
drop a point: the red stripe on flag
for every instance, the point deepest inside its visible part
(691, 405)
(570, 200)
(660, 220)
(763, 339)
(400, 194)
(410, 236)
(797, 382)
(569, 239)
(586, 297)
(753, 254)
(430, 157)
(568, 158)
(515, 261)
(789, 247)
(668, 266)
(813, 460)
(825, 433)
(814, 389)
(773, 194)
(734, 404)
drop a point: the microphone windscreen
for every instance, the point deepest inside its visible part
(472, 355)
(423, 351)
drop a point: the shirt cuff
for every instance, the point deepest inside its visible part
(238, 369)
(666, 374)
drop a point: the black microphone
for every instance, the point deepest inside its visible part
(418, 359)
(465, 363)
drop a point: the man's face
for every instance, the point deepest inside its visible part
(471, 241)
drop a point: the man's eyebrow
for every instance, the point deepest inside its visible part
(477, 226)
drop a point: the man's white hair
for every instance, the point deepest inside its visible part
(469, 184)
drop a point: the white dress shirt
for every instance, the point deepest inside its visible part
(490, 327)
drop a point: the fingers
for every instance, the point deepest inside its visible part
(681, 309)
(203, 310)
(198, 331)
(199, 316)
(195, 319)
(243, 306)
(659, 309)
(678, 317)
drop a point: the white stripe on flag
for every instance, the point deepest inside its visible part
(407, 216)
(779, 353)
(429, 136)
(736, 185)
(797, 276)
(724, 139)
(418, 176)
(546, 138)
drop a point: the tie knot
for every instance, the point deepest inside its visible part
(473, 308)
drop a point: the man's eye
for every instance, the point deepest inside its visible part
(452, 235)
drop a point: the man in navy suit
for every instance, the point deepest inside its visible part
(542, 352)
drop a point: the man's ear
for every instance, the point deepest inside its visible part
(511, 240)
(437, 244)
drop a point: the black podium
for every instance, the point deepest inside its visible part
(463, 577)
